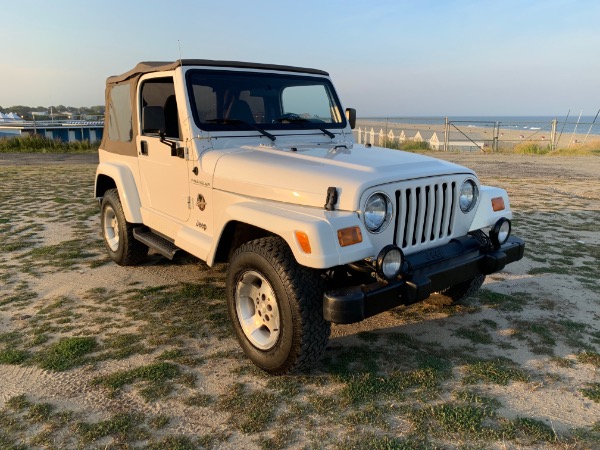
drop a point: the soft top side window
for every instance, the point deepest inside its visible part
(119, 113)
(161, 92)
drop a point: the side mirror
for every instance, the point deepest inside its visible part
(351, 116)
(153, 120)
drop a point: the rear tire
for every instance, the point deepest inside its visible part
(276, 306)
(117, 233)
(457, 293)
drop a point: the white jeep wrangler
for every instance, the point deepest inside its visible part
(255, 165)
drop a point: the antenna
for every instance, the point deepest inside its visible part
(179, 45)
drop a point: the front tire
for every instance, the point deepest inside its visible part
(276, 306)
(117, 233)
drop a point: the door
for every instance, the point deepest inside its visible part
(163, 169)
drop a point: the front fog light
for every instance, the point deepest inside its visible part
(500, 232)
(389, 262)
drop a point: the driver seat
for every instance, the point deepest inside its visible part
(240, 110)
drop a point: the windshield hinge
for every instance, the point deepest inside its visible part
(332, 197)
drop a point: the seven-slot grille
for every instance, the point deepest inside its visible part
(424, 213)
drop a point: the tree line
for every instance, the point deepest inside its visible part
(44, 111)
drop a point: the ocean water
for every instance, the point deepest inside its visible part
(533, 123)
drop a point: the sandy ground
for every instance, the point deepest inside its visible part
(507, 137)
(557, 209)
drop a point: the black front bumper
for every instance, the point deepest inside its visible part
(430, 271)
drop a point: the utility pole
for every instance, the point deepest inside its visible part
(446, 134)
(553, 135)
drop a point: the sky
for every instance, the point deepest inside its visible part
(386, 58)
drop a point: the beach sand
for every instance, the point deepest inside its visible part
(507, 137)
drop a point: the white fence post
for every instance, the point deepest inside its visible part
(359, 135)
(391, 138)
(381, 137)
(372, 136)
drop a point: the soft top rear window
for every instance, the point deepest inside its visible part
(237, 100)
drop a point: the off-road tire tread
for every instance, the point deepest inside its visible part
(134, 252)
(306, 288)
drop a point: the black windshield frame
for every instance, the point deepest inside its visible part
(227, 84)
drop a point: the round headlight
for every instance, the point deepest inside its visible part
(468, 196)
(500, 232)
(389, 262)
(378, 212)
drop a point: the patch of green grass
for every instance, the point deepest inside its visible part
(535, 429)
(478, 400)
(183, 310)
(251, 412)
(57, 304)
(457, 418)
(589, 435)
(13, 356)
(18, 298)
(159, 421)
(122, 424)
(563, 362)
(572, 327)
(589, 357)
(592, 391)
(122, 346)
(281, 438)
(364, 387)
(157, 374)
(63, 256)
(497, 371)
(11, 337)
(39, 412)
(347, 361)
(154, 391)
(40, 144)
(504, 302)
(373, 441)
(474, 334)
(539, 336)
(66, 353)
(371, 414)
(173, 443)
(200, 400)
(18, 403)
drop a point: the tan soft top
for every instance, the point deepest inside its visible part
(158, 66)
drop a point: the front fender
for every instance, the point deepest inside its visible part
(125, 184)
(319, 225)
(485, 215)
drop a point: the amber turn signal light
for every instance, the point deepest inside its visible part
(497, 203)
(349, 236)
(303, 241)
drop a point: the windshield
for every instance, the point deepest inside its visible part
(222, 100)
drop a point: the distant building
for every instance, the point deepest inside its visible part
(66, 131)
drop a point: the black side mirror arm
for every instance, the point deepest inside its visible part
(175, 151)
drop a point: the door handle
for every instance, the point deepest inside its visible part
(144, 148)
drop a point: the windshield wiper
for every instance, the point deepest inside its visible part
(295, 118)
(241, 122)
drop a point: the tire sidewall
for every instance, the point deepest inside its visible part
(107, 201)
(280, 355)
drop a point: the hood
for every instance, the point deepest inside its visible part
(301, 175)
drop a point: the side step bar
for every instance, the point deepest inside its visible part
(155, 242)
